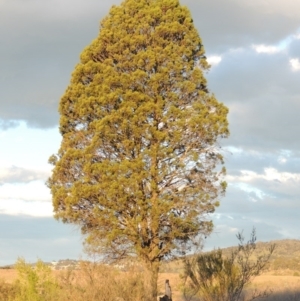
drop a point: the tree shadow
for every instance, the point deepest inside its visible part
(285, 295)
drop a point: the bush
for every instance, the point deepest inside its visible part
(35, 283)
(213, 277)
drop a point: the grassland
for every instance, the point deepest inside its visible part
(281, 279)
(281, 287)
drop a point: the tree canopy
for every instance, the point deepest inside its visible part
(136, 169)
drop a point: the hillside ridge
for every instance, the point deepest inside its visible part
(285, 256)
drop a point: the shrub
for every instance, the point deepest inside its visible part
(35, 283)
(213, 277)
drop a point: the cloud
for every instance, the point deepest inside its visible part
(8, 124)
(262, 94)
(42, 47)
(26, 151)
(67, 9)
(263, 175)
(14, 174)
(270, 216)
(288, 8)
(262, 192)
(235, 23)
(39, 52)
(18, 207)
(224, 234)
(295, 63)
(24, 170)
(270, 174)
(23, 194)
(293, 44)
(214, 60)
(33, 238)
(32, 191)
(265, 49)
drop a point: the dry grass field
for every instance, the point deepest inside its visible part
(281, 287)
(284, 287)
(8, 275)
(98, 283)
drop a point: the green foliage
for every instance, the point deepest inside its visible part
(136, 166)
(35, 283)
(214, 277)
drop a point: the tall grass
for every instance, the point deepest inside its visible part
(104, 283)
(91, 282)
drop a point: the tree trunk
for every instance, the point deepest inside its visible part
(153, 269)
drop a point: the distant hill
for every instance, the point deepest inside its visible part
(63, 264)
(286, 257)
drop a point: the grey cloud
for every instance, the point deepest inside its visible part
(285, 194)
(227, 24)
(34, 238)
(283, 190)
(273, 218)
(294, 48)
(44, 41)
(16, 174)
(224, 236)
(262, 93)
(248, 161)
(244, 75)
(257, 161)
(8, 124)
(41, 48)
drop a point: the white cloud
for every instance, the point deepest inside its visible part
(255, 194)
(270, 174)
(214, 60)
(295, 64)
(282, 160)
(266, 49)
(32, 191)
(15, 174)
(280, 46)
(20, 207)
(233, 149)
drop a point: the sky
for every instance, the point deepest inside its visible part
(254, 51)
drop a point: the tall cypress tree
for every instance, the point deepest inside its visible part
(140, 130)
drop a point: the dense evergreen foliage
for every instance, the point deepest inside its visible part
(136, 166)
